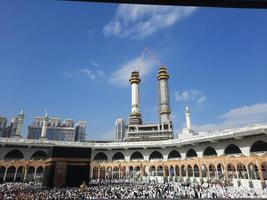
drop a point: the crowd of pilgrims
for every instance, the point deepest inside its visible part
(126, 190)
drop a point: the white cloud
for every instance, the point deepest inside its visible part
(191, 96)
(92, 74)
(67, 74)
(139, 21)
(238, 117)
(95, 64)
(88, 73)
(121, 76)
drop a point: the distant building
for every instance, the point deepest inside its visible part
(15, 127)
(120, 129)
(3, 123)
(54, 129)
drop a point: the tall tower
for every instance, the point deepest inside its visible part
(188, 118)
(164, 95)
(20, 121)
(135, 116)
(45, 125)
(120, 129)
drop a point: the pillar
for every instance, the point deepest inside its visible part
(98, 172)
(15, 175)
(4, 179)
(135, 116)
(187, 118)
(35, 170)
(25, 174)
(45, 125)
(164, 95)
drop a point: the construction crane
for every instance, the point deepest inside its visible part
(151, 55)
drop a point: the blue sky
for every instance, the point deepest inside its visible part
(74, 59)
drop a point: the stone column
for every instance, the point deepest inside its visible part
(200, 174)
(16, 171)
(34, 176)
(263, 184)
(25, 174)
(4, 179)
(98, 172)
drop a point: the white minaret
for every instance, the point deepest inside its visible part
(135, 116)
(20, 121)
(164, 95)
(45, 125)
(187, 118)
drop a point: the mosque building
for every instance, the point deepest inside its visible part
(140, 151)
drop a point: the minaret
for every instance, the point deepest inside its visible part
(45, 125)
(187, 118)
(20, 121)
(164, 95)
(135, 116)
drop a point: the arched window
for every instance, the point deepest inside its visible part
(118, 156)
(209, 151)
(155, 155)
(174, 155)
(259, 146)
(14, 155)
(232, 149)
(101, 157)
(137, 156)
(191, 153)
(38, 155)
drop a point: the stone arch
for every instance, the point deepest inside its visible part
(172, 171)
(232, 149)
(177, 170)
(210, 151)
(159, 170)
(20, 174)
(264, 170)
(204, 170)
(95, 172)
(38, 155)
(174, 155)
(166, 170)
(115, 173)
(39, 173)
(109, 172)
(242, 171)
(100, 157)
(231, 171)
(212, 170)
(183, 170)
(253, 171)
(196, 170)
(220, 170)
(155, 155)
(102, 172)
(189, 171)
(118, 156)
(137, 156)
(30, 173)
(258, 146)
(2, 173)
(191, 153)
(123, 172)
(14, 155)
(10, 174)
(152, 171)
